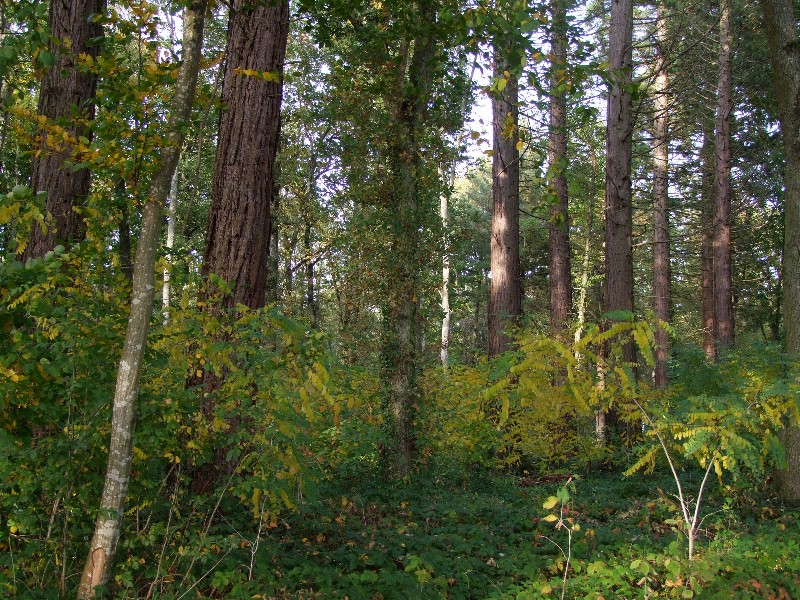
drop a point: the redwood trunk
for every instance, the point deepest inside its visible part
(723, 298)
(237, 235)
(505, 296)
(66, 99)
(707, 160)
(559, 249)
(619, 215)
(661, 244)
(780, 18)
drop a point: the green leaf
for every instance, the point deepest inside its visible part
(619, 316)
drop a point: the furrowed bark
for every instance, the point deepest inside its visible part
(707, 161)
(661, 242)
(505, 296)
(559, 250)
(780, 18)
(723, 295)
(237, 235)
(619, 216)
(67, 99)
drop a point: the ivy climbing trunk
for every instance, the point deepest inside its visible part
(401, 341)
(661, 242)
(559, 249)
(505, 294)
(103, 546)
(66, 100)
(780, 19)
(723, 295)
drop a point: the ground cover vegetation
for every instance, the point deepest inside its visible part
(459, 299)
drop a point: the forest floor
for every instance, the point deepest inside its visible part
(487, 536)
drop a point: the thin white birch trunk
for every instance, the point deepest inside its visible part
(444, 213)
(173, 215)
(103, 546)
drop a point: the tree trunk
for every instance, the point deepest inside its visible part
(559, 250)
(780, 19)
(237, 235)
(311, 203)
(65, 88)
(401, 344)
(171, 218)
(587, 248)
(274, 265)
(444, 215)
(619, 215)
(707, 161)
(126, 264)
(723, 298)
(661, 244)
(97, 569)
(311, 302)
(618, 285)
(444, 352)
(505, 295)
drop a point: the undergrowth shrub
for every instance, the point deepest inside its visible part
(62, 321)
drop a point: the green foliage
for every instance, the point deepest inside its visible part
(727, 413)
(275, 402)
(550, 391)
(60, 338)
(19, 209)
(453, 424)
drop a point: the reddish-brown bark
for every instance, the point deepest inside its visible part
(619, 123)
(780, 18)
(723, 295)
(66, 98)
(505, 296)
(237, 235)
(661, 242)
(559, 249)
(707, 245)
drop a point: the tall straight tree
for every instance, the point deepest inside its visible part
(708, 314)
(66, 98)
(237, 234)
(618, 293)
(505, 296)
(559, 249)
(723, 298)
(401, 336)
(780, 19)
(661, 246)
(618, 285)
(120, 451)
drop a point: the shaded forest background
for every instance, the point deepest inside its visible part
(261, 260)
